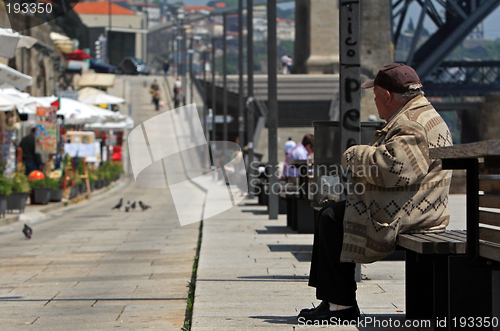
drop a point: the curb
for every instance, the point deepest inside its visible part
(13, 218)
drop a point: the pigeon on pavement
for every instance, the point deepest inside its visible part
(27, 231)
(119, 205)
(127, 206)
(143, 206)
(132, 205)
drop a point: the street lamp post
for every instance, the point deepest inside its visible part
(272, 121)
(205, 95)
(250, 104)
(224, 85)
(241, 120)
(191, 53)
(172, 40)
(179, 66)
(213, 90)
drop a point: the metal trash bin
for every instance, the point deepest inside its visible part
(327, 156)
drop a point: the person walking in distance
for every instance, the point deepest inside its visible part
(177, 92)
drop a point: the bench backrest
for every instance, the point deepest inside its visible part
(489, 211)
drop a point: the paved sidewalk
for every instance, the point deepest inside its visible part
(253, 274)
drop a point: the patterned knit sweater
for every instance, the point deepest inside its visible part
(395, 187)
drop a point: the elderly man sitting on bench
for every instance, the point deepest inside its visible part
(404, 191)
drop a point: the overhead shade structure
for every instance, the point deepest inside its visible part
(127, 123)
(7, 103)
(88, 91)
(62, 43)
(102, 98)
(12, 98)
(76, 112)
(11, 40)
(97, 80)
(10, 77)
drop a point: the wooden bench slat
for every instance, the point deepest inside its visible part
(440, 247)
(455, 235)
(489, 251)
(460, 233)
(455, 246)
(491, 235)
(489, 185)
(488, 171)
(418, 245)
(490, 218)
(489, 201)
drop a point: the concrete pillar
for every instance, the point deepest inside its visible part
(376, 47)
(324, 37)
(488, 117)
(317, 41)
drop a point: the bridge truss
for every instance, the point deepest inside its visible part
(454, 20)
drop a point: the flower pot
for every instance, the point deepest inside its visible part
(74, 192)
(3, 205)
(40, 196)
(56, 195)
(17, 201)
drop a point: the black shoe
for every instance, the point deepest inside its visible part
(310, 310)
(323, 312)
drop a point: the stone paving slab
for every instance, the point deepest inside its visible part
(253, 274)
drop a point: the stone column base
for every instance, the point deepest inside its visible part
(322, 64)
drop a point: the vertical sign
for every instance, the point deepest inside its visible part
(350, 85)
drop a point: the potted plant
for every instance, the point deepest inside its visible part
(5, 191)
(92, 179)
(55, 183)
(20, 190)
(40, 194)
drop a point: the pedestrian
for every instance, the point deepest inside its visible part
(155, 94)
(289, 63)
(177, 92)
(30, 157)
(166, 66)
(289, 145)
(394, 187)
(301, 151)
(284, 64)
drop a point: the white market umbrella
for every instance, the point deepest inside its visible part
(10, 77)
(11, 40)
(102, 98)
(23, 101)
(10, 101)
(127, 123)
(76, 112)
(88, 91)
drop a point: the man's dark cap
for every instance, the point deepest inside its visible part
(396, 77)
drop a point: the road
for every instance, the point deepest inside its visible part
(88, 267)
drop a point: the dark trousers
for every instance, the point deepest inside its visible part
(334, 281)
(30, 165)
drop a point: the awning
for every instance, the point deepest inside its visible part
(11, 40)
(76, 112)
(97, 80)
(102, 98)
(10, 77)
(127, 123)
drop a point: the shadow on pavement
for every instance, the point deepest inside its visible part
(276, 230)
(255, 212)
(277, 319)
(302, 253)
(275, 277)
